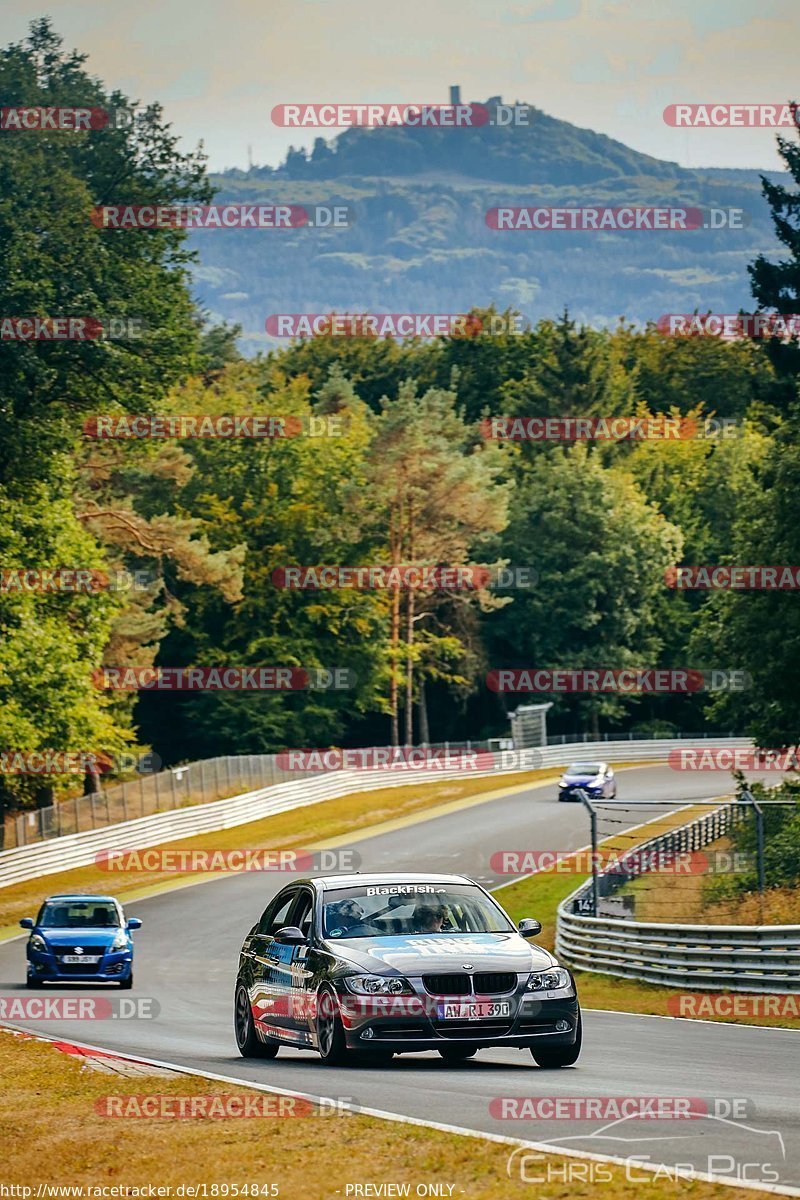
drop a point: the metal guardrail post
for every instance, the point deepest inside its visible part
(760, 868)
(587, 804)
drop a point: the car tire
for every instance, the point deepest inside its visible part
(126, 984)
(455, 1054)
(553, 1057)
(247, 1040)
(33, 982)
(330, 1031)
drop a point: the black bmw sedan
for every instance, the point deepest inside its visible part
(376, 965)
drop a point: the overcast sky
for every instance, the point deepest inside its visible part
(609, 65)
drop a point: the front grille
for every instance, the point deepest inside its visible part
(447, 985)
(78, 968)
(492, 983)
(84, 949)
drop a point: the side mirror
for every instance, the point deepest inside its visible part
(290, 935)
(27, 922)
(134, 923)
(528, 927)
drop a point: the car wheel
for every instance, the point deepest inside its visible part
(126, 984)
(33, 982)
(559, 1056)
(330, 1032)
(453, 1054)
(250, 1046)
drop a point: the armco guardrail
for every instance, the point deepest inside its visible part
(80, 849)
(735, 958)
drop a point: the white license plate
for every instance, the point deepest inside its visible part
(81, 958)
(474, 1010)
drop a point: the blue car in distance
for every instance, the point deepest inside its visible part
(80, 939)
(594, 778)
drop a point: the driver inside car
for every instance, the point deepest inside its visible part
(429, 918)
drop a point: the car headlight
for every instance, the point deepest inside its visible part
(379, 985)
(120, 942)
(549, 981)
(38, 944)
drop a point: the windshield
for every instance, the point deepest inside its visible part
(389, 910)
(79, 914)
(584, 769)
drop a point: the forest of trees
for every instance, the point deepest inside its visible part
(409, 479)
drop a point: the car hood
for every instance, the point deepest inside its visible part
(418, 954)
(88, 938)
(578, 778)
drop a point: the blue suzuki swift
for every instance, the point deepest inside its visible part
(82, 939)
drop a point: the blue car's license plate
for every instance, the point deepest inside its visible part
(81, 958)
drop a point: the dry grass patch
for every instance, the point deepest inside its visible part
(52, 1133)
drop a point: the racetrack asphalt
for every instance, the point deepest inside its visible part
(187, 954)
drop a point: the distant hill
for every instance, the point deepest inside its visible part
(420, 242)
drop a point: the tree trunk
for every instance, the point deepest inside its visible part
(394, 640)
(424, 731)
(5, 805)
(44, 796)
(91, 783)
(410, 669)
